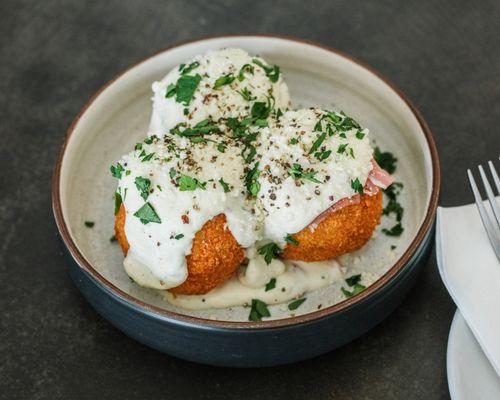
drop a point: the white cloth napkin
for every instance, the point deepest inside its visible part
(471, 273)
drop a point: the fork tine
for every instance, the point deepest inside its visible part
(490, 228)
(495, 176)
(491, 196)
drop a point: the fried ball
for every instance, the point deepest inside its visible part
(341, 232)
(215, 255)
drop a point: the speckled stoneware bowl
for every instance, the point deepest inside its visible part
(117, 117)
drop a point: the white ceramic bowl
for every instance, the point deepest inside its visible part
(118, 115)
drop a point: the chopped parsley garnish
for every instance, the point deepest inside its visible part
(138, 146)
(272, 72)
(143, 185)
(353, 280)
(294, 140)
(201, 128)
(179, 236)
(184, 88)
(147, 214)
(224, 185)
(291, 240)
(89, 224)
(394, 207)
(271, 284)
(116, 171)
(221, 147)
(150, 139)
(317, 143)
(342, 148)
(269, 251)
(258, 311)
(396, 230)
(296, 304)
(172, 173)
(147, 157)
(113, 239)
(245, 93)
(251, 180)
(360, 135)
(357, 186)
(322, 155)
(297, 172)
(118, 202)
(187, 183)
(223, 80)
(261, 110)
(385, 160)
(186, 69)
(357, 288)
(246, 68)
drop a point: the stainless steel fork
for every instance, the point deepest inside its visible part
(491, 221)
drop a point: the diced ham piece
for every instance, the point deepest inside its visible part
(377, 178)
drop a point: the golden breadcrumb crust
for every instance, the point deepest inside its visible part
(341, 232)
(215, 254)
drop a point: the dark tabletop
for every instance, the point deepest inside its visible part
(55, 54)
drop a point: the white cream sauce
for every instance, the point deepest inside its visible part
(216, 103)
(285, 204)
(293, 280)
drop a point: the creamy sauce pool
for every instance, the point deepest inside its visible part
(292, 280)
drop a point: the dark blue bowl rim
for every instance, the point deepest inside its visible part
(155, 311)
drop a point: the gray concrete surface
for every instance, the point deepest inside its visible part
(55, 54)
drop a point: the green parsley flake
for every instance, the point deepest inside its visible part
(185, 88)
(221, 147)
(360, 135)
(396, 230)
(143, 185)
(296, 304)
(353, 280)
(317, 143)
(246, 94)
(258, 311)
(224, 80)
(116, 171)
(183, 69)
(297, 172)
(271, 284)
(147, 214)
(269, 251)
(118, 202)
(251, 180)
(187, 183)
(291, 240)
(357, 186)
(246, 68)
(224, 185)
(357, 288)
(385, 160)
(179, 236)
(172, 173)
(272, 72)
(89, 224)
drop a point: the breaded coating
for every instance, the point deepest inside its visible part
(215, 254)
(341, 232)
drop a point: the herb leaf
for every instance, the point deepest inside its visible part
(357, 186)
(272, 72)
(186, 69)
(317, 143)
(185, 88)
(187, 183)
(296, 172)
(251, 180)
(116, 171)
(296, 304)
(271, 284)
(385, 160)
(224, 185)
(396, 230)
(147, 214)
(223, 80)
(246, 68)
(358, 288)
(89, 224)
(269, 251)
(353, 280)
(258, 311)
(291, 240)
(143, 185)
(118, 202)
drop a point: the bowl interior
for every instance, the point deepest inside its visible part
(118, 118)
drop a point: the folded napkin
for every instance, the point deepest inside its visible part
(471, 273)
